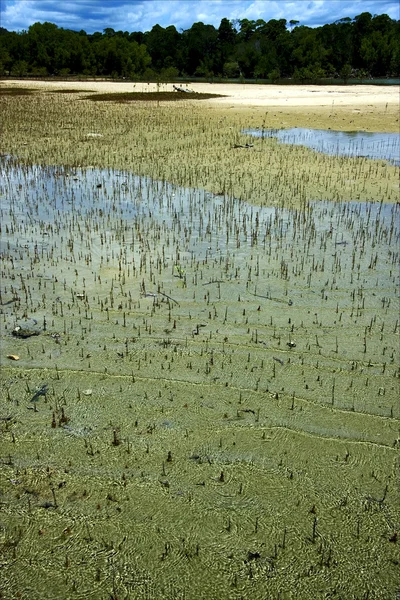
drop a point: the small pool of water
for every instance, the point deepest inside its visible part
(384, 146)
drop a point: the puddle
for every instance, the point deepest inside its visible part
(383, 146)
(107, 203)
(45, 198)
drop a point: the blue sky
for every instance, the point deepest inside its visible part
(141, 15)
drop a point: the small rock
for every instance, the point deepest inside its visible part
(24, 333)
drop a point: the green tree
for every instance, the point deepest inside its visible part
(20, 68)
(362, 27)
(163, 46)
(345, 72)
(5, 61)
(231, 70)
(117, 56)
(225, 45)
(247, 29)
(200, 44)
(274, 75)
(247, 48)
(169, 74)
(337, 40)
(309, 52)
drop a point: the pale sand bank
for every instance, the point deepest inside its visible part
(244, 94)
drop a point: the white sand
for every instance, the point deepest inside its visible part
(244, 94)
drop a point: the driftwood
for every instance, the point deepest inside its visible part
(180, 89)
(290, 302)
(279, 360)
(42, 391)
(169, 298)
(242, 145)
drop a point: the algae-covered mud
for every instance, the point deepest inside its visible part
(199, 397)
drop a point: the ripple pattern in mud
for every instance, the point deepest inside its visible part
(218, 410)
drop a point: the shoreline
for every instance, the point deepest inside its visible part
(240, 94)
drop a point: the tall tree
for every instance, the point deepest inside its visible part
(200, 45)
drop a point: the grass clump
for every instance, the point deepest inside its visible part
(16, 91)
(125, 97)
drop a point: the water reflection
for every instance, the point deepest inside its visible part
(89, 208)
(385, 146)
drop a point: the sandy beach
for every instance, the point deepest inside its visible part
(244, 94)
(368, 108)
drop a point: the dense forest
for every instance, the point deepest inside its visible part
(364, 47)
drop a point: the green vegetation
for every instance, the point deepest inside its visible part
(362, 47)
(124, 97)
(15, 91)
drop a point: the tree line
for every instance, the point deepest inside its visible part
(365, 46)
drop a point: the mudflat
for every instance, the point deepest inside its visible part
(199, 355)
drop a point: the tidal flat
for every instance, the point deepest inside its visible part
(199, 358)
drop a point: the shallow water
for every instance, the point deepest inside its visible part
(91, 232)
(217, 374)
(383, 146)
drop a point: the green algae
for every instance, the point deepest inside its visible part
(221, 418)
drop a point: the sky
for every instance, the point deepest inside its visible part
(142, 15)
